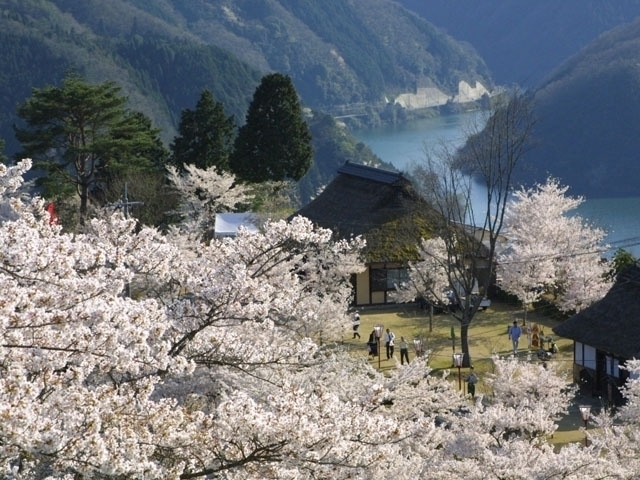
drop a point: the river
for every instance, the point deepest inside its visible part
(404, 146)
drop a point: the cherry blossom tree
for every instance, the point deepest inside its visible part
(551, 251)
(223, 362)
(614, 437)
(427, 276)
(203, 193)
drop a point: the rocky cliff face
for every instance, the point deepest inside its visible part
(428, 97)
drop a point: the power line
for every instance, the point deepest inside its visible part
(629, 242)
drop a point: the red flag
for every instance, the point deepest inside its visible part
(53, 215)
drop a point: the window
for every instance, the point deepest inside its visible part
(396, 276)
(385, 279)
(589, 357)
(585, 355)
(378, 280)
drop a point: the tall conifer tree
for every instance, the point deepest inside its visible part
(206, 136)
(275, 142)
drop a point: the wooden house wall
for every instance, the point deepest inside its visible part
(375, 291)
(362, 288)
(598, 373)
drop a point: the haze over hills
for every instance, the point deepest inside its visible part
(343, 57)
(522, 42)
(580, 59)
(347, 57)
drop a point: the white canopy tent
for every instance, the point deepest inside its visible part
(227, 224)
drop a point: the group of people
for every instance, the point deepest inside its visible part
(389, 341)
(514, 332)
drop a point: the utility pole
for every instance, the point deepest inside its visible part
(125, 203)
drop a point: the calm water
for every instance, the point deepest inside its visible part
(405, 146)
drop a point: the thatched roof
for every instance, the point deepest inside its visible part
(380, 205)
(612, 324)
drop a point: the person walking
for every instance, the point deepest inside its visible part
(472, 379)
(514, 335)
(373, 343)
(388, 342)
(404, 351)
(356, 324)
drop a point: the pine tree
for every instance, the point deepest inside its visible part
(275, 142)
(82, 136)
(205, 137)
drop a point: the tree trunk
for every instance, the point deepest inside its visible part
(464, 343)
(84, 200)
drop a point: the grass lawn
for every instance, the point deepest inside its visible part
(487, 336)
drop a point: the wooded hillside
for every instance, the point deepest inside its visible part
(165, 52)
(588, 115)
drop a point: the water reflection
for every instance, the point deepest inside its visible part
(406, 145)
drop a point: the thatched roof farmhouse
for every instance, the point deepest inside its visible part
(605, 335)
(384, 208)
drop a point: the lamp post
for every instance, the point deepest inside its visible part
(378, 329)
(457, 361)
(417, 344)
(585, 412)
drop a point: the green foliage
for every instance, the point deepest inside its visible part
(177, 71)
(82, 136)
(336, 20)
(275, 142)
(153, 198)
(275, 199)
(621, 259)
(159, 72)
(206, 136)
(26, 61)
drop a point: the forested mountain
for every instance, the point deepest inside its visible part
(165, 52)
(161, 72)
(336, 52)
(579, 59)
(522, 42)
(588, 118)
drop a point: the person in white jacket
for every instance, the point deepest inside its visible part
(388, 342)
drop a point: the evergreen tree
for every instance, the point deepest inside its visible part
(275, 142)
(621, 259)
(82, 135)
(205, 137)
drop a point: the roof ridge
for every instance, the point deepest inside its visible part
(371, 173)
